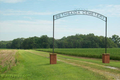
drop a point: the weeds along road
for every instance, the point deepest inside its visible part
(35, 65)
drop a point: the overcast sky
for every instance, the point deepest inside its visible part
(29, 18)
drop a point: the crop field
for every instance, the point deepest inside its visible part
(7, 59)
(86, 52)
(35, 65)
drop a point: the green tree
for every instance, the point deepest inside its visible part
(3, 44)
(44, 41)
(116, 39)
(29, 43)
(9, 44)
(16, 43)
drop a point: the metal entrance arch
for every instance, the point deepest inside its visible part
(81, 12)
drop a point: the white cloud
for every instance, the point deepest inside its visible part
(41, 26)
(109, 10)
(30, 18)
(19, 12)
(11, 1)
(25, 26)
(10, 30)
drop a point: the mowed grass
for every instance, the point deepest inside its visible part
(35, 67)
(87, 52)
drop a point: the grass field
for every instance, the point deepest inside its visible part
(35, 65)
(87, 52)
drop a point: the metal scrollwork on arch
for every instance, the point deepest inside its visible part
(80, 12)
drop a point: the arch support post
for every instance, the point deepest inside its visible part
(53, 56)
(53, 33)
(106, 35)
(106, 56)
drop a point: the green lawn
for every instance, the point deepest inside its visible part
(31, 66)
(87, 52)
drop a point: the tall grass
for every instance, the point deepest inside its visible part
(87, 52)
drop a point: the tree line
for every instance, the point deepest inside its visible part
(74, 41)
